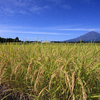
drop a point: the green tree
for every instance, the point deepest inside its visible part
(16, 39)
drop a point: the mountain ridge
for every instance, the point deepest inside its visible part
(90, 36)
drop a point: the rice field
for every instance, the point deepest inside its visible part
(50, 71)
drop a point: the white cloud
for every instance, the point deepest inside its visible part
(20, 3)
(7, 10)
(78, 29)
(55, 28)
(66, 6)
(30, 32)
(21, 6)
(37, 8)
(14, 6)
(22, 12)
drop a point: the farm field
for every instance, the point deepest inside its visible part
(50, 71)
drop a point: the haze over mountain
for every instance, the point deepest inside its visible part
(90, 36)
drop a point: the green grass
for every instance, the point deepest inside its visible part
(52, 71)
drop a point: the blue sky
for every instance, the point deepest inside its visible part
(55, 20)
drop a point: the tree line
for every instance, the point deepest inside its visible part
(2, 40)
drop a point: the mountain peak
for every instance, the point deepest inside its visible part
(92, 32)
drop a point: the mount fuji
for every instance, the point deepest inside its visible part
(90, 36)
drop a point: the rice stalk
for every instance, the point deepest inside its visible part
(52, 77)
(39, 79)
(29, 68)
(83, 89)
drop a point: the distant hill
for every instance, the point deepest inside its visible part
(90, 36)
